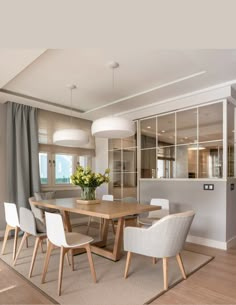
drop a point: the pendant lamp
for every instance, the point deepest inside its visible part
(113, 127)
(70, 137)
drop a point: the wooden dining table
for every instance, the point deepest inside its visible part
(104, 209)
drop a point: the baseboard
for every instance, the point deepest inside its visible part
(207, 242)
(231, 242)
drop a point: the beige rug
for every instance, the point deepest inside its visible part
(144, 283)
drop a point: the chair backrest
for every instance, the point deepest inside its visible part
(108, 197)
(165, 208)
(38, 213)
(55, 229)
(27, 221)
(11, 214)
(168, 235)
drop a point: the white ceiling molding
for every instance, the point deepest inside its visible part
(188, 100)
(148, 79)
(148, 91)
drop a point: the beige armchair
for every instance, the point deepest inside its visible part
(163, 239)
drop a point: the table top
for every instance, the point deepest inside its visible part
(104, 209)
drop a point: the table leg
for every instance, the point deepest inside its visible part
(66, 219)
(115, 254)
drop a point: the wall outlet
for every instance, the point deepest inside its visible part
(208, 187)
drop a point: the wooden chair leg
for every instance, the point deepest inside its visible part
(127, 264)
(165, 272)
(46, 261)
(62, 255)
(72, 260)
(154, 260)
(8, 229)
(20, 247)
(41, 245)
(27, 242)
(17, 229)
(181, 266)
(90, 259)
(89, 222)
(68, 259)
(36, 245)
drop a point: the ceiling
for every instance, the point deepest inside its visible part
(145, 76)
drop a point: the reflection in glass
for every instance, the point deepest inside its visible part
(115, 185)
(115, 160)
(186, 126)
(211, 160)
(114, 144)
(130, 141)
(165, 162)
(130, 160)
(129, 185)
(186, 161)
(148, 163)
(211, 122)
(148, 133)
(231, 139)
(166, 130)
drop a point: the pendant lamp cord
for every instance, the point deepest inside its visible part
(71, 107)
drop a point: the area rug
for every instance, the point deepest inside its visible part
(144, 283)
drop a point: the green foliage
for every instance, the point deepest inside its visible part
(84, 177)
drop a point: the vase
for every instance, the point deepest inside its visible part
(88, 193)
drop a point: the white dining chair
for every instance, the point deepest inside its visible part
(12, 221)
(156, 215)
(164, 239)
(65, 241)
(28, 226)
(106, 197)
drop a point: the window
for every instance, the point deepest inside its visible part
(43, 167)
(56, 169)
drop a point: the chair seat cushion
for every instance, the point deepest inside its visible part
(75, 239)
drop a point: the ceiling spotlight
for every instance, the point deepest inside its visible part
(163, 131)
(148, 127)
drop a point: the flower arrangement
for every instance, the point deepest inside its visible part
(89, 181)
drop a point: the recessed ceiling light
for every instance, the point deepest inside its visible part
(149, 127)
(185, 138)
(163, 131)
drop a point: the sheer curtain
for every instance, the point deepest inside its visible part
(22, 153)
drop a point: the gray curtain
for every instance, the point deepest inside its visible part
(22, 153)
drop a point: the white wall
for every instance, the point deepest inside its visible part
(100, 163)
(2, 165)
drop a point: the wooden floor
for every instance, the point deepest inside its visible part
(213, 284)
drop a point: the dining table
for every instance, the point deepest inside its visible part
(107, 210)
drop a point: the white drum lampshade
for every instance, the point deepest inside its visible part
(113, 127)
(70, 137)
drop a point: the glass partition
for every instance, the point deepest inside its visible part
(231, 139)
(189, 144)
(123, 165)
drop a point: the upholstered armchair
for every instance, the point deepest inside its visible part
(163, 239)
